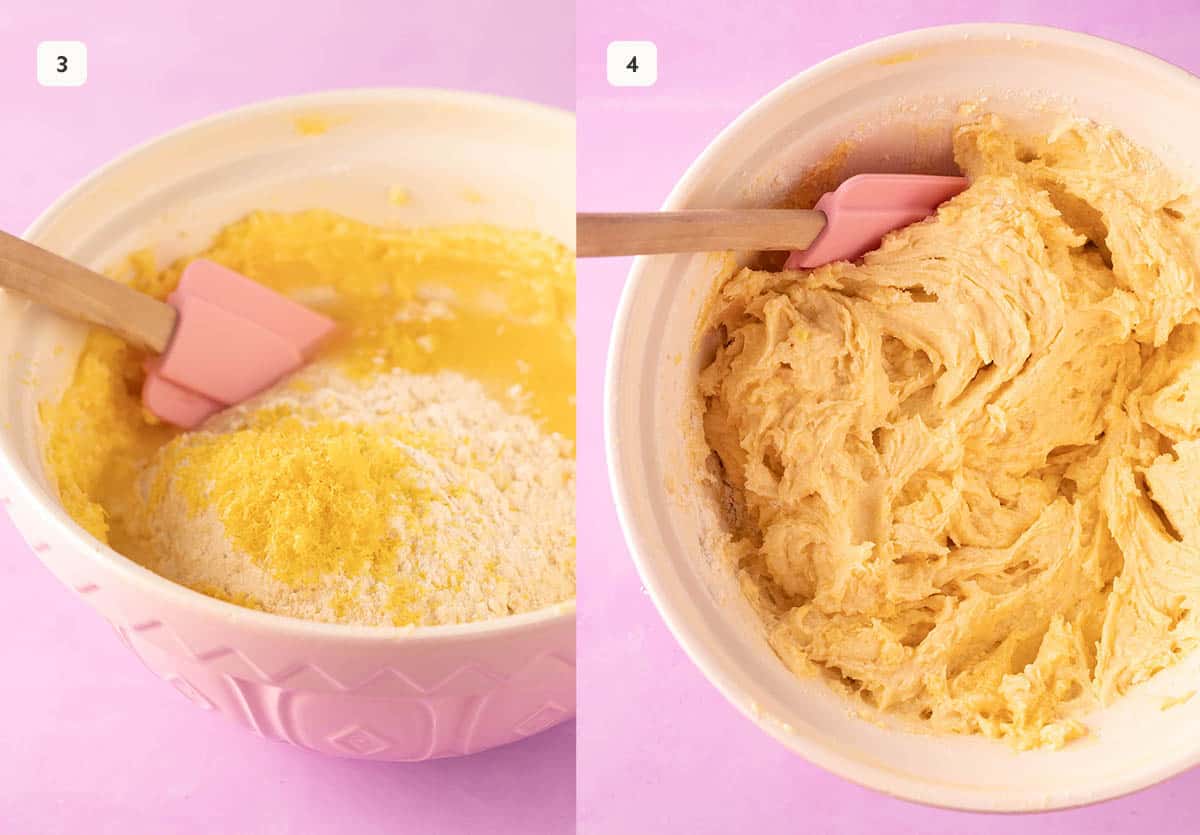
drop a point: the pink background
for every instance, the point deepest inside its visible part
(91, 743)
(659, 749)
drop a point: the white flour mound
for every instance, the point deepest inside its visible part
(498, 538)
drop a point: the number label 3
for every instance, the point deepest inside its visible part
(61, 63)
(632, 63)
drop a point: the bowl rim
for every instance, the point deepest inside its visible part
(149, 583)
(871, 776)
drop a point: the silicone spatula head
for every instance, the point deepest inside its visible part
(866, 207)
(234, 338)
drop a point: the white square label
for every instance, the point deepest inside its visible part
(632, 63)
(61, 63)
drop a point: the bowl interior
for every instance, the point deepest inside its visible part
(887, 106)
(461, 158)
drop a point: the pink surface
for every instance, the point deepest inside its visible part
(92, 742)
(659, 749)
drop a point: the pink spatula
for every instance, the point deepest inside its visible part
(843, 225)
(219, 339)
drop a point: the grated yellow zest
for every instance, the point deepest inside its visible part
(246, 601)
(305, 498)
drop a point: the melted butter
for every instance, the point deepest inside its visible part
(494, 304)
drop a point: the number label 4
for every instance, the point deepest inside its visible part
(632, 63)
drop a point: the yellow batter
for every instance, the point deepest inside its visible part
(964, 473)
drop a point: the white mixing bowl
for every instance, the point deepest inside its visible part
(894, 99)
(367, 692)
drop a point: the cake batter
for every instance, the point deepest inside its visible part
(963, 474)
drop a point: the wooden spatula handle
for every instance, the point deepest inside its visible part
(695, 230)
(79, 293)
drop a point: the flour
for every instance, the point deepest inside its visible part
(492, 534)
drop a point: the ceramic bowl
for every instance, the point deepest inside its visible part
(373, 693)
(885, 106)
